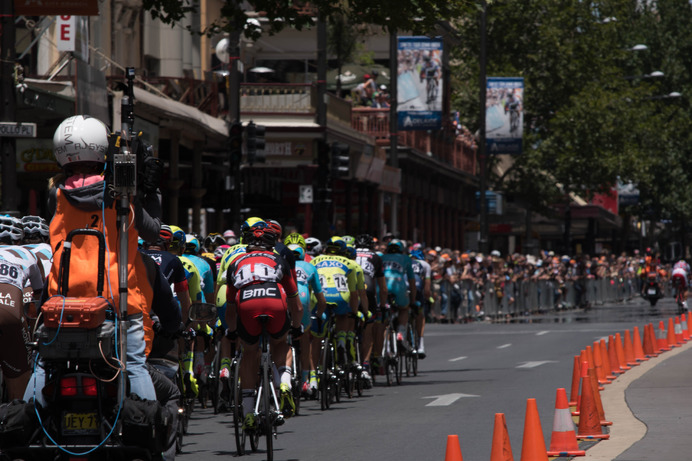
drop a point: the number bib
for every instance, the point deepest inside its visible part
(12, 274)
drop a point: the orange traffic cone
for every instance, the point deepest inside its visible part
(637, 346)
(563, 441)
(597, 397)
(629, 350)
(533, 444)
(650, 341)
(620, 353)
(612, 357)
(583, 366)
(592, 363)
(685, 328)
(606, 361)
(662, 338)
(670, 336)
(576, 376)
(502, 450)
(598, 362)
(589, 420)
(678, 331)
(453, 452)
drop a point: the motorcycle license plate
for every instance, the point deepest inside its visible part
(651, 292)
(79, 423)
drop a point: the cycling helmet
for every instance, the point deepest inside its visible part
(80, 138)
(35, 226)
(364, 241)
(417, 254)
(230, 237)
(395, 246)
(178, 239)
(213, 240)
(248, 223)
(294, 238)
(165, 234)
(192, 245)
(275, 227)
(313, 246)
(260, 235)
(350, 251)
(335, 245)
(220, 251)
(298, 251)
(387, 237)
(11, 230)
(349, 240)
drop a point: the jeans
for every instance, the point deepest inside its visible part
(140, 381)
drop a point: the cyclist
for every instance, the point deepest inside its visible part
(36, 234)
(398, 271)
(18, 267)
(260, 283)
(80, 195)
(313, 246)
(351, 254)
(314, 304)
(373, 334)
(681, 277)
(230, 237)
(295, 238)
(422, 272)
(338, 279)
(430, 72)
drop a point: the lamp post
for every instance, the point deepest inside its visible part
(483, 240)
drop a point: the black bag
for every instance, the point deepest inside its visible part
(18, 423)
(145, 423)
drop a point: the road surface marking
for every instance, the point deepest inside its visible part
(445, 400)
(541, 333)
(535, 364)
(457, 359)
(504, 346)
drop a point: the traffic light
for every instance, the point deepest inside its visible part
(255, 143)
(340, 160)
(235, 144)
(322, 157)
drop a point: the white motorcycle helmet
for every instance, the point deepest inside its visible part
(80, 138)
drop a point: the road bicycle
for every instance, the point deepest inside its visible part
(411, 354)
(390, 350)
(297, 372)
(327, 372)
(266, 408)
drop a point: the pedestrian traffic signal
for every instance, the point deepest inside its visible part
(341, 160)
(235, 143)
(255, 143)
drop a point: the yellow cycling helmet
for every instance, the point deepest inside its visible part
(294, 238)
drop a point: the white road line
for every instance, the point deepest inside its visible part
(541, 333)
(445, 400)
(535, 364)
(457, 359)
(504, 346)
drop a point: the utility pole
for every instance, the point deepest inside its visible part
(393, 126)
(483, 240)
(321, 219)
(8, 148)
(233, 119)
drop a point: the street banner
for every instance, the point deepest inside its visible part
(56, 7)
(419, 83)
(72, 34)
(504, 115)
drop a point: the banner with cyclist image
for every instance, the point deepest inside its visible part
(419, 83)
(504, 115)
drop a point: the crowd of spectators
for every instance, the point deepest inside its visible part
(369, 93)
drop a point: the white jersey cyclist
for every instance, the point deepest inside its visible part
(20, 267)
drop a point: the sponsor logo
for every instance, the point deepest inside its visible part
(260, 292)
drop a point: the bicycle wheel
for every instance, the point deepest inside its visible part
(412, 356)
(297, 380)
(238, 411)
(324, 384)
(214, 382)
(388, 356)
(267, 416)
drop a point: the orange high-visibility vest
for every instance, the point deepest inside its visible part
(84, 260)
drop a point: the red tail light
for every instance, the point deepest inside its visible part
(89, 387)
(68, 386)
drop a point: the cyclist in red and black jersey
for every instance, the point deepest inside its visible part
(261, 283)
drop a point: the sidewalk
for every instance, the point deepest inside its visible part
(651, 411)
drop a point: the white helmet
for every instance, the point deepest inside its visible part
(11, 229)
(313, 246)
(80, 138)
(35, 225)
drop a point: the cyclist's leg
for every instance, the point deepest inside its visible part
(140, 380)
(15, 358)
(420, 329)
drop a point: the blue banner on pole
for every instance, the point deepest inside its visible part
(419, 83)
(504, 115)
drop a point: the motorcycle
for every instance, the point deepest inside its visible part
(652, 290)
(82, 412)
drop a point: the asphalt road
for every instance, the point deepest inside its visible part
(472, 372)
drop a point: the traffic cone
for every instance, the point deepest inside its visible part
(612, 357)
(597, 397)
(620, 352)
(501, 450)
(589, 420)
(563, 441)
(606, 361)
(662, 338)
(678, 332)
(533, 444)
(453, 452)
(598, 362)
(629, 350)
(649, 341)
(670, 336)
(583, 362)
(576, 376)
(685, 328)
(592, 363)
(637, 346)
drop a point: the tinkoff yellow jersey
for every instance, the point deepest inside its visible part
(194, 280)
(338, 279)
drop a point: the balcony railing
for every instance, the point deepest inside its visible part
(290, 98)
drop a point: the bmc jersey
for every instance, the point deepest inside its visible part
(338, 279)
(397, 271)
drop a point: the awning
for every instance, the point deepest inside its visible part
(163, 108)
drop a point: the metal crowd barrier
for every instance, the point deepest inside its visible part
(533, 297)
